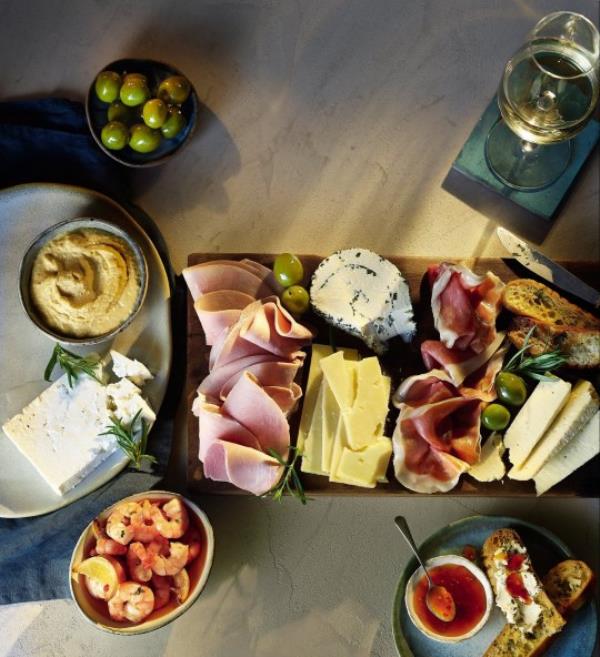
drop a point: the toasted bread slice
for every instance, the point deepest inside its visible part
(514, 641)
(581, 346)
(569, 585)
(527, 297)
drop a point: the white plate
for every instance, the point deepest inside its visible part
(25, 211)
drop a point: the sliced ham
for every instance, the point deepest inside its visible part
(214, 425)
(244, 467)
(225, 275)
(220, 310)
(265, 273)
(464, 306)
(251, 406)
(286, 397)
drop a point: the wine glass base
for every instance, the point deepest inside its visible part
(522, 165)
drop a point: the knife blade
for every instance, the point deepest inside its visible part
(549, 270)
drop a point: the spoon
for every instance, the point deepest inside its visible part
(439, 600)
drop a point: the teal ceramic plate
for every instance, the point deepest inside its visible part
(576, 640)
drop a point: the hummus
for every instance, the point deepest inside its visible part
(85, 283)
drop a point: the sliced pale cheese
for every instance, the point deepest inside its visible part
(460, 371)
(365, 420)
(534, 418)
(340, 378)
(313, 385)
(313, 443)
(581, 449)
(490, 466)
(339, 444)
(367, 466)
(576, 413)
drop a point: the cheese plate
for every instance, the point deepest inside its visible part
(401, 360)
(24, 211)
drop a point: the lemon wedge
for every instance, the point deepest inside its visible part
(102, 571)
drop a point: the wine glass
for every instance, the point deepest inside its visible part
(546, 96)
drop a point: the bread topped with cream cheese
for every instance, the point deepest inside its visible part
(533, 620)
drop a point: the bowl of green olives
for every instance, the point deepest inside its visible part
(140, 112)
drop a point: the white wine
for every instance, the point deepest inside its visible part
(548, 92)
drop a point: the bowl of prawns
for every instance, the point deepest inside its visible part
(142, 562)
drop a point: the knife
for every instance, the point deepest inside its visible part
(549, 270)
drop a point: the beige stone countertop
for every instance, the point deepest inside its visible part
(326, 124)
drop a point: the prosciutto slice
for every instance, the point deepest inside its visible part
(434, 443)
(464, 306)
(226, 275)
(247, 468)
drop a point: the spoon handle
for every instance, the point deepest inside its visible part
(405, 531)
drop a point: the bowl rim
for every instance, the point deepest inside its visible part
(149, 626)
(193, 119)
(472, 568)
(64, 227)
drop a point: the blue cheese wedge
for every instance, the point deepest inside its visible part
(363, 294)
(129, 368)
(59, 431)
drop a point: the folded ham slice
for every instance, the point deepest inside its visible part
(227, 275)
(244, 467)
(464, 306)
(219, 310)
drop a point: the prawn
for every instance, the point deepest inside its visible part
(105, 545)
(138, 562)
(132, 602)
(172, 563)
(162, 591)
(181, 585)
(118, 525)
(173, 520)
(144, 528)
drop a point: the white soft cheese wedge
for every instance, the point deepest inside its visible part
(581, 449)
(364, 294)
(534, 418)
(365, 420)
(313, 387)
(576, 413)
(132, 369)
(490, 466)
(59, 431)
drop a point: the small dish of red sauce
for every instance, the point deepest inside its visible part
(469, 588)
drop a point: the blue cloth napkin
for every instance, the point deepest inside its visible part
(48, 140)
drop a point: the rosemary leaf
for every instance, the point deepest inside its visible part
(290, 481)
(127, 441)
(72, 364)
(539, 367)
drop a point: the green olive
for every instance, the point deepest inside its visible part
(119, 112)
(495, 417)
(115, 135)
(143, 139)
(174, 90)
(511, 389)
(107, 86)
(154, 113)
(174, 124)
(134, 90)
(288, 269)
(295, 298)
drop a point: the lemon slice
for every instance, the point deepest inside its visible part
(101, 570)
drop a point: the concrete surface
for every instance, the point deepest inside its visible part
(326, 125)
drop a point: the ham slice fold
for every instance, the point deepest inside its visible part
(219, 310)
(227, 275)
(464, 306)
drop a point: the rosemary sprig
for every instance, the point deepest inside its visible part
(72, 364)
(539, 367)
(126, 439)
(290, 481)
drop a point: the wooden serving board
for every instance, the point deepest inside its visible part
(401, 361)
